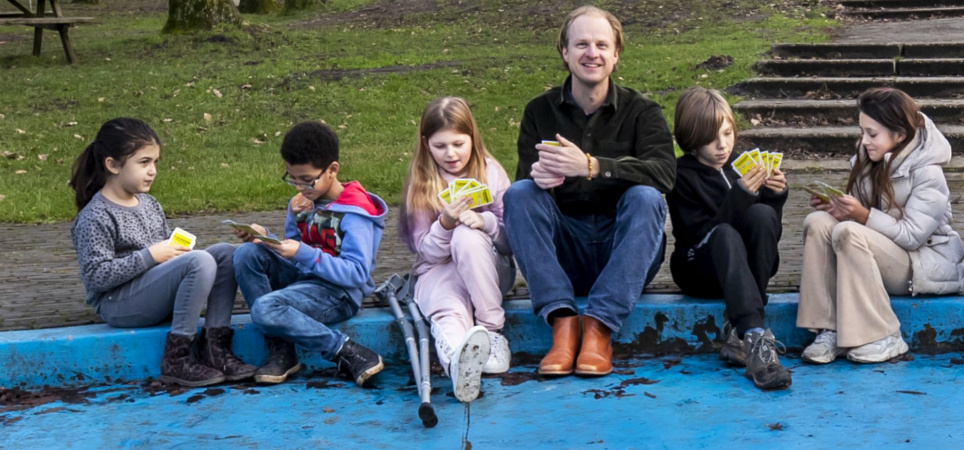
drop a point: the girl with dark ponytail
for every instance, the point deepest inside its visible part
(133, 276)
(890, 234)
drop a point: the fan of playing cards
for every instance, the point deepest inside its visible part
(748, 160)
(823, 190)
(467, 187)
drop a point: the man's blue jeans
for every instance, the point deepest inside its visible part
(288, 303)
(608, 257)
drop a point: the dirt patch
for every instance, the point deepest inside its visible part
(715, 63)
(377, 15)
(324, 384)
(16, 399)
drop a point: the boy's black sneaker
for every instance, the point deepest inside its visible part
(763, 364)
(733, 351)
(357, 362)
(282, 361)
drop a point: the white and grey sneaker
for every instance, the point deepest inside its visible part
(879, 351)
(499, 354)
(824, 348)
(466, 366)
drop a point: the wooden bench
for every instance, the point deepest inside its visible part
(39, 22)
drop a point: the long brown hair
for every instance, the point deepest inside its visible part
(118, 139)
(424, 182)
(897, 112)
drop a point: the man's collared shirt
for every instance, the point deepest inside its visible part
(628, 135)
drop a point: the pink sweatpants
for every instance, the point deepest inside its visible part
(465, 291)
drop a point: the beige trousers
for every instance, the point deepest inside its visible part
(848, 272)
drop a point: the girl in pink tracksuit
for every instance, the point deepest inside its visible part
(463, 262)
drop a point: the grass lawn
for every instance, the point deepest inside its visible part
(221, 100)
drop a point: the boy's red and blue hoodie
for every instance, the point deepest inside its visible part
(339, 239)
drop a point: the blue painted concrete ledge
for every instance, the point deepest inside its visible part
(660, 324)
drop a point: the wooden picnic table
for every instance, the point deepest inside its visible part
(39, 20)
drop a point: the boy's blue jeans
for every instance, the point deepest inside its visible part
(288, 303)
(608, 257)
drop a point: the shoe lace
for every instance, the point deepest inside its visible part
(346, 359)
(766, 348)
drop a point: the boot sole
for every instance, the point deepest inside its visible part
(473, 354)
(173, 380)
(892, 353)
(275, 379)
(239, 377)
(823, 360)
(773, 386)
(592, 373)
(360, 381)
(555, 372)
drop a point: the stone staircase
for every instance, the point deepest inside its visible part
(900, 9)
(805, 100)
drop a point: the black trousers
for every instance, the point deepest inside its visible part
(735, 262)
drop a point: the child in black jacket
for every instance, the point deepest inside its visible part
(727, 228)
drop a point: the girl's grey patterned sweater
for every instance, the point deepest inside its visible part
(112, 242)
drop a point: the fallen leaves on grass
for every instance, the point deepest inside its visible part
(20, 172)
(42, 157)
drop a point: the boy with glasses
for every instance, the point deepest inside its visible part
(319, 273)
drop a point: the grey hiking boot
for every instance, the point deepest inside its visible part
(732, 351)
(763, 364)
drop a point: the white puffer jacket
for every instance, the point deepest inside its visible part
(935, 249)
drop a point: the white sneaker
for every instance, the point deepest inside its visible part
(467, 362)
(499, 354)
(824, 348)
(879, 351)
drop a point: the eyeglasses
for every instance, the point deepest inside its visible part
(299, 185)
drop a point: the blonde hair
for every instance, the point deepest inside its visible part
(424, 182)
(590, 11)
(700, 113)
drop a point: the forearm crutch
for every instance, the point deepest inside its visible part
(388, 292)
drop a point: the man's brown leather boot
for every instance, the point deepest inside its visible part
(596, 356)
(565, 345)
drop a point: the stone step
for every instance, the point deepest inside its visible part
(867, 51)
(827, 88)
(904, 13)
(862, 67)
(836, 140)
(835, 112)
(898, 3)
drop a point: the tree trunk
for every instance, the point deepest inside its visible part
(299, 5)
(192, 15)
(259, 6)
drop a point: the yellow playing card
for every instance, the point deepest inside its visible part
(744, 163)
(552, 143)
(765, 160)
(480, 196)
(813, 191)
(182, 238)
(775, 160)
(755, 154)
(830, 190)
(445, 196)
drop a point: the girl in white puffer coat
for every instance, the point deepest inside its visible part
(889, 235)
